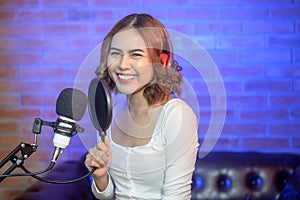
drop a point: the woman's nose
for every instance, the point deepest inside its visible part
(125, 62)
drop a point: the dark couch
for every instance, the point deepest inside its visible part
(219, 175)
(248, 175)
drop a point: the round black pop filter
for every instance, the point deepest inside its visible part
(100, 104)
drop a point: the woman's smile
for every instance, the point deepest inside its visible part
(125, 77)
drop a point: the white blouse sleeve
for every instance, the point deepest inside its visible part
(181, 140)
(107, 194)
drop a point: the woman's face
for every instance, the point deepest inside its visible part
(128, 62)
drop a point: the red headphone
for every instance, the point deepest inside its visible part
(164, 57)
(164, 60)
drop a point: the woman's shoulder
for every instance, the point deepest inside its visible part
(176, 110)
(178, 120)
(177, 104)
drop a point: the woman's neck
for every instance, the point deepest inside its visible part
(137, 103)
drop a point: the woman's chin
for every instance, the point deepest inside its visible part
(126, 91)
(129, 91)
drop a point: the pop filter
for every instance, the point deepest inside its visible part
(100, 105)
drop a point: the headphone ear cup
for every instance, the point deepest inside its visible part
(164, 60)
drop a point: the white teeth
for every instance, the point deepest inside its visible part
(126, 77)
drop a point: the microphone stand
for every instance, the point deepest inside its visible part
(24, 149)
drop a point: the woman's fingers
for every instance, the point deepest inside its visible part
(99, 155)
(91, 163)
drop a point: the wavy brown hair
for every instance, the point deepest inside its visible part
(167, 79)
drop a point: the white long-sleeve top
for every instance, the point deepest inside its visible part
(161, 169)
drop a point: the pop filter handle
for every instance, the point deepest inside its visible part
(100, 107)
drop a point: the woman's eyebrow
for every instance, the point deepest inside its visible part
(114, 48)
(133, 50)
(130, 51)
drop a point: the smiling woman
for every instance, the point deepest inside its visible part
(151, 147)
(156, 43)
(128, 62)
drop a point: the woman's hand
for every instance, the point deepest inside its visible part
(100, 157)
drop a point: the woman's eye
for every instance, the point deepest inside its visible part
(115, 53)
(136, 55)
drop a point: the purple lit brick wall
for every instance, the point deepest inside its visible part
(254, 43)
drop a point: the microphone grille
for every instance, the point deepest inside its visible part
(71, 103)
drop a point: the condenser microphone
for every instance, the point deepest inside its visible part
(100, 105)
(70, 107)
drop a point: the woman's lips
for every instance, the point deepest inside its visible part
(126, 76)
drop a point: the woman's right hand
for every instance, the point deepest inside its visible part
(100, 157)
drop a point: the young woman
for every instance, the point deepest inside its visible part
(151, 147)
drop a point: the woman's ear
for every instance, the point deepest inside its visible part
(164, 60)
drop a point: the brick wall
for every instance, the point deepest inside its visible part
(254, 43)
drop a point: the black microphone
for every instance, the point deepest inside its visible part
(70, 106)
(100, 105)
